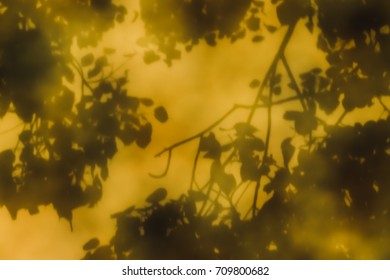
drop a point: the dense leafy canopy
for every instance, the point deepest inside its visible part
(69, 135)
(344, 162)
(70, 132)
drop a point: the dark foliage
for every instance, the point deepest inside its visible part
(69, 134)
(348, 162)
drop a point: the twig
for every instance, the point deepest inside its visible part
(194, 167)
(292, 78)
(221, 119)
(267, 142)
(282, 46)
(166, 168)
(383, 104)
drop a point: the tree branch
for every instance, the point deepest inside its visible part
(270, 70)
(292, 78)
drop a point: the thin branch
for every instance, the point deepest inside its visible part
(270, 70)
(112, 72)
(267, 142)
(242, 193)
(194, 167)
(166, 168)
(383, 104)
(199, 134)
(292, 78)
(11, 128)
(221, 119)
(340, 119)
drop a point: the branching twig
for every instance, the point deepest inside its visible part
(267, 142)
(278, 55)
(294, 82)
(221, 119)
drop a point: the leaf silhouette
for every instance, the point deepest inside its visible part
(161, 114)
(144, 135)
(287, 151)
(91, 244)
(157, 196)
(87, 59)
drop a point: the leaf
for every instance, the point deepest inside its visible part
(270, 28)
(249, 170)
(211, 39)
(257, 39)
(7, 157)
(277, 90)
(91, 244)
(244, 129)
(253, 23)
(144, 135)
(305, 123)
(161, 114)
(157, 196)
(67, 99)
(150, 57)
(68, 74)
(211, 146)
(25, 136)
(104, 173)
(128, 134)
(226, 182)
(292, 115)
(287, 151)
(93, 193)
(254, 83)
(147, 102)
(87, 60)
(94, 72)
